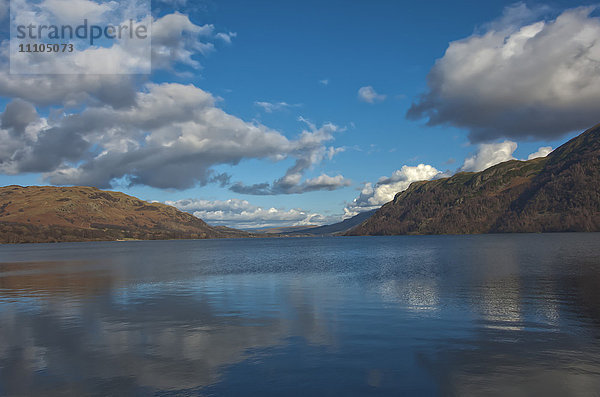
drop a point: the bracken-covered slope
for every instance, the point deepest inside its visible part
(59, 214)
(558, 193)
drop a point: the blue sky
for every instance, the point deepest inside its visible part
(299, 66)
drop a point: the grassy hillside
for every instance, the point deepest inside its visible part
(52, 214)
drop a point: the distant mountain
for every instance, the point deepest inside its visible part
(281, 229)
(58, 214)
(558, 193)
(336, 228)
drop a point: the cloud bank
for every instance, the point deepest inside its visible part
(107, 129)
(542, 152)
(518, 79)
(170, 138)
(241, 214)
(375, 195)
(176, 43)
(489, 154)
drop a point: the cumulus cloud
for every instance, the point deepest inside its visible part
(176, 42)
(375, 195)
(67, 90)
(171, 138)
(18, 115)
(542, 152)
(174, 38)
(517, 78)
(53, 88)
(489, 154)
(126, 54)
(369, 95)
(309, 150)
(107, 128)
(241, 214)
(271, 107)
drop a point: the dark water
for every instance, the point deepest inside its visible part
(472, 315)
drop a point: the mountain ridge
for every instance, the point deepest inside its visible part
(557, 193)
(333, 229)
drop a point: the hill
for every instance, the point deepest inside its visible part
(558, 193)
(60, 214)
(281, 230)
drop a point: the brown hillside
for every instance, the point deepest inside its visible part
(558, 193)
(51, 214)
(565, 196)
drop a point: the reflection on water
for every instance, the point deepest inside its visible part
(494, 315)
(414, 295)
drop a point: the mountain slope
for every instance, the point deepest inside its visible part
(335, 228)
(558, 193)
(566, 195)
(51, 214)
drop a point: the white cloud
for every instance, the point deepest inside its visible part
(375, 195)
(170, 138)
(271, 107)
(75, 11)
(309, 152)
(489, 154)
(107, 128)
(176, 42)
(369, 95)
(66, 90)
(519, 78)
(542, 152)
(126, 55)
(241, 214)
(324, 82)
(325, 182)
(226, 37)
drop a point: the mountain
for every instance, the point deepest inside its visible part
(280, 230)
(336, 228)
(558, 193)
(311, 230)
(59, 214)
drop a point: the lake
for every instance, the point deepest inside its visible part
(410, 315)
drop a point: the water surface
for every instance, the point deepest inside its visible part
(431, 315)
